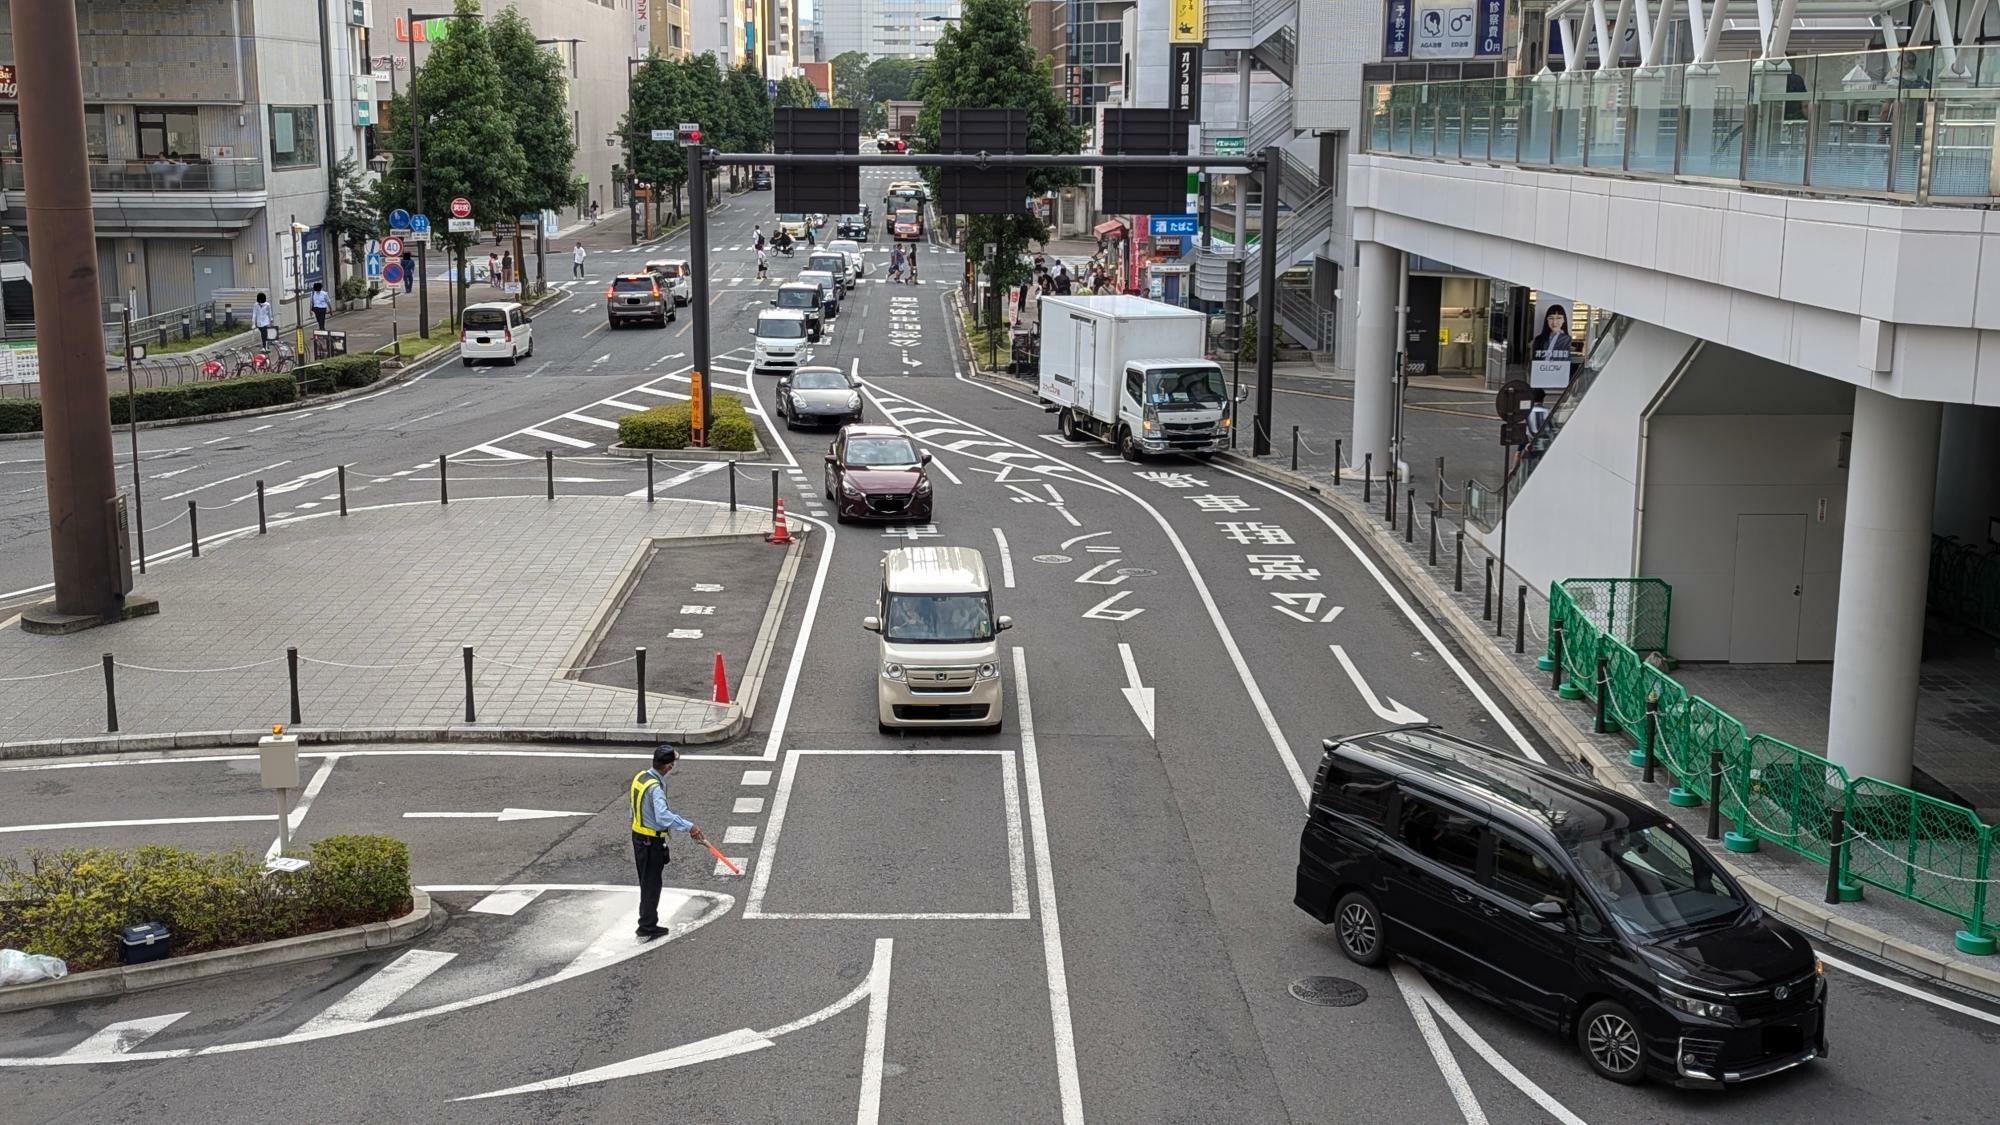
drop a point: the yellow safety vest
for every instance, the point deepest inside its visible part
(644, 780)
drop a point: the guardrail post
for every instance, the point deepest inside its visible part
(1367, 478)
(1440, 483)
(1972, 941)
(1836, 856)
(110, 695)
(1646, 755)
(1389, 493)
(340, 474)
(1715, 793)
(1603, 725)
(260, 508)
(649, 481)
(549, 470)
(1295, 449)
(292, 673)
(1435, 512)
(1556, 682)
(1486, 608)
(639, 675)
(467, 650)
(194, 531)
(444, 484)
(1410, 517)
(1336, 460)
(774, 495)
(1521, 618)
(1458, 567)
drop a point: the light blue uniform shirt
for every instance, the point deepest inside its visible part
(655, 814)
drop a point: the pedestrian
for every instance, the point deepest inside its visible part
(576, 261)
(507, 266)
(593, 210)
(1538, 426)
(652, 822)
(763, 265)
(260, 319)
(812, 240)
(493, 269)
(760, 239)
(321, 303)
(409, 261)
(896, 265)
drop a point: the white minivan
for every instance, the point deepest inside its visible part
(781, 340)
(940, 648)
(495, 330)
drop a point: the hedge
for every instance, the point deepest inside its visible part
(20, 415)
(670, 426)
(72, 903)
(339, 373)
(213, 396)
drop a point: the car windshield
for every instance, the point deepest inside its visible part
(791, 217)
(798, 298)
(810, 380)
(780, 328)
(485, 318)
(1195, 386)
(1654, 882)
(821, 277)
(831, 263)
(852, 220)
(906, 216)
(872, 451)
(938, 618)
(633, 285)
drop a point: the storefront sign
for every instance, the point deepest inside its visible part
(1186, 76)
(426, 31)
(1492, 21)
(9, 85)
(642, 27)
(1396, 30)
(1186, 24)
(312, 245)
(1443, 32)
(1549, 352)
(1229, 146)
(1174, 226)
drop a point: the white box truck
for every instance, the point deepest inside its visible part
(1130, 371)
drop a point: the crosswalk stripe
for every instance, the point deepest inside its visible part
(606, 423)
(563, 439)
(389, 984)
(496, 451)
(623, 405)
(118, 1038)
(657, 393)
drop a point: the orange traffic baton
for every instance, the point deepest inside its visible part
(723, 859)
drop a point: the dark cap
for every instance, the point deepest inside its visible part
(664, 754)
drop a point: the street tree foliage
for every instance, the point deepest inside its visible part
(660, 100)
(891, 79)
(985, 60)
(541, 113)
(797, 93)
(351, 216)
(746, 115)
(850, 79)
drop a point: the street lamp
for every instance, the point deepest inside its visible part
(133, 352)
(298, 289)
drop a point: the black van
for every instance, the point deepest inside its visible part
(1575, 906)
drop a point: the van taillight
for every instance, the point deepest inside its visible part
(509, 337)
(611, 290)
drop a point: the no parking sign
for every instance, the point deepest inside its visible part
(392, 272)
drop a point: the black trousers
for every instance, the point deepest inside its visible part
(650, 854)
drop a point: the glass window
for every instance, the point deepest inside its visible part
(780, 328)
(938, 618)
(810, 380)
(294, 136)
(872, 452)
(634, 284)
(1135, 386)
(1200, 386)
(1359, 791)
(487, 319)
(10, 130)
(1520, 873)
(168, 131)
(93, 133)
(1440, 834)
(1653, 881)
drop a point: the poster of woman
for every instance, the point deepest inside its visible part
(1549, 354)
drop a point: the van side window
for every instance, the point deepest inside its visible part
(1439, 834)
(1135, 386)
(1359, 791)
(1520, 873)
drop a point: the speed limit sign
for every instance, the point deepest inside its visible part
(392, 247)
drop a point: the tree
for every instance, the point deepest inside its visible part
(746, 113)
(850, 78)
(351, 217)
(891, 79)
(469, 146)
(656, 103)
(797, 93)
(541, 114)
(985, 60)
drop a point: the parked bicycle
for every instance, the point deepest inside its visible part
(267, 361)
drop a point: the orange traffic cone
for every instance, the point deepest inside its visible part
(721, 681)
(779, 533)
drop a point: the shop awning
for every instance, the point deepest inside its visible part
(1109, 227)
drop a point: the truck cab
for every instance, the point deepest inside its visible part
(1130, 371)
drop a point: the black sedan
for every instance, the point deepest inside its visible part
(813, 396)
(760, 180)
(853, 226)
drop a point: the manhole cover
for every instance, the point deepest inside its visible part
(1052, 558)
(1135, 572)
(1329, 992)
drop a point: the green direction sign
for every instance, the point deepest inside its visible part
(1229, 146)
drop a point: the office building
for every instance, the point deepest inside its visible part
(907, 28)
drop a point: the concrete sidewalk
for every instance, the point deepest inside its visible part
(379, 604)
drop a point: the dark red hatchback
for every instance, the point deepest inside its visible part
(874, 472)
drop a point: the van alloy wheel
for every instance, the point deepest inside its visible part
(1610, 1041)
(1358, 927)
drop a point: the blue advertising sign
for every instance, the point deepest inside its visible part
(312, 251)
(1396, 30)
(819, 103)
(1175, 226)
(420, 224)
(1492, 17)
(399, 219)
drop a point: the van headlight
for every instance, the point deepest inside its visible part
(893, 672)
(1696, 1006)
(989, 671)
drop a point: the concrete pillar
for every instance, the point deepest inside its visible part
(1379, 273)
(1884, 570)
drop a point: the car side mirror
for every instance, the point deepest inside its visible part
(872, 624)
(1004, 622)
(1546, 911)
(1242, 393)
(831, 459)
(923, 458)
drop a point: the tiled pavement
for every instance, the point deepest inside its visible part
(378, 604)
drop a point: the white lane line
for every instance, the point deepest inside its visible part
(623, 405)
(756, 777)
(1412, 981)
(562, 439)
(1447, 1064)
(869, 1111)
(941, 467)
(1006, 559)
(146, 823)
(1908, 990)
(588, 420)
(118, 1038)
(542, 366)
(494, 451)
(679, 479)
(306, 796)
(371, 997)
(1075, 539)
(1067, 1084)
(224, 480)
(657, 393)
(505, 903)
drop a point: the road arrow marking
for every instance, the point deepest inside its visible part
(1388, 710)
(1137, 694)
(502, 816)
(295, 485)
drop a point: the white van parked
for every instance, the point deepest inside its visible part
(495, 330)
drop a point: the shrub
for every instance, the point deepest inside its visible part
(20, 415)
(187, 400)
(339, 373)
(661, 427)
(733, 432)
(71, 904)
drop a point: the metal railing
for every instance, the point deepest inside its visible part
(1239, 25)
(1279, 53)
(1270, 124)
(1309, 324)
(232, 175)
(1916, 124)
(1889, 836)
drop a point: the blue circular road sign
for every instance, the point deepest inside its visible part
(399, 219)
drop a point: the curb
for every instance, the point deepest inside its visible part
(423, 917)
(457, 732)
(691, 453)
(1563, 735)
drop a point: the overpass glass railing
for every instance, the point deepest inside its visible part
(1916, 124)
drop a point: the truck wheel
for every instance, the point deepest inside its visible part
(1128, 446)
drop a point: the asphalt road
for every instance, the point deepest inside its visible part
(1077, 919)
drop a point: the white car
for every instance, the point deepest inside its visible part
(852, 249)
(495, 330)
(675, 278)
(781, 340)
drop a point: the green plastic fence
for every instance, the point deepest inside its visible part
(1927, 850)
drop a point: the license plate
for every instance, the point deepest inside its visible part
(485, 340)
(1781, 1039)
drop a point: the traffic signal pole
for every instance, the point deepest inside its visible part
(1267, 297)
(698, 255)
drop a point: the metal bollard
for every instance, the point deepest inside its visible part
(340, 474)
(1295, 449)
(444, 485)
(260, 508)
(292, 670)
(110, 696)
(649, 488)
(1715, 793)
(1521, 618)
(732, 486)
(549, 470)
(639, 658)
(1836, 840)
(1434, 536)
(774, 495)
(467, 650)
(194, 532)
(1336, 460)
(1486, 611)
(1458, 567)
(1367, 478)
(1410, 517)
(1556, 657)
(1603, 697)
(1389, 493)
(1440, 483)
(1652, 732)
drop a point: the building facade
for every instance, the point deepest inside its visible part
(877, 28)
(666, 22)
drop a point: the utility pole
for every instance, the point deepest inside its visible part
(417, 177)
(1267, 297)
(92, 574)
(698, 259)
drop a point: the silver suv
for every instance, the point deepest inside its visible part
(637, 296)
